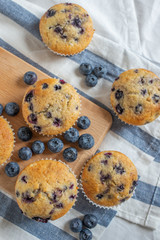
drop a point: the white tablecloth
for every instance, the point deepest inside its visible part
(129, 34)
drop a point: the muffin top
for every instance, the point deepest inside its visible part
(135, 96)
(66, 28)
(109, 178)
(6, 140)
(45, 190)
(51, 106)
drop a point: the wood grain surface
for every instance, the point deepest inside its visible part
(12, 89)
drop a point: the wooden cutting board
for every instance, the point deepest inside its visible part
(12, 89)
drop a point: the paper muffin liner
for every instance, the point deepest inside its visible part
(14, 142)
(55, 135)
(115, 207)
(66, 55)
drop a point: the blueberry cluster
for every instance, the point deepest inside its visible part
(89, 221)
(55, 145)
(92, 74)
(85, 141)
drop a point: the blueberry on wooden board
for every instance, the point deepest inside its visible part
(12, 169)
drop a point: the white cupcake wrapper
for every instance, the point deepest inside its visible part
(95, 204)
(55, 135)
(14, 142)
(64, 55)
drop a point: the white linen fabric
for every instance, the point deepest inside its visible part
(126, 37)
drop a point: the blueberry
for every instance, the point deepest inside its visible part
(37, 128)
(71, 135)
(55, 145)
(142, 81)
(85, 68)
(29, 96)
(86, 141)
(32, 118)
(85, 234)
(50, 13)
(72, 197)
(120, 188)
(12, 108)
(138, 109)
(99, 71)
(76, 22)
(31, 107)
(1, 109)
(90, 220)
(91, 80)
(12, 169)
(81, 30)
(26, 197)
(99, 196)
(38, 147)
(76, 225)
(83, 122)
(57, 87)
(30, 78)
(58, 29)
(49, 115)
(70, 154)
(57, 122)
(24, 179)
(42, 220)
(44, 86)
(24, 134)
(119, 169)
(119, 109)
(134, 184)
(62, 81)
(104, 178)
(143, 91)
(156, 98)
(25, 153)
(118, 94)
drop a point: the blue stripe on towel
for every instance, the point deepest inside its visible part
(40, 230)
(147, 193)
(133, 134)
(21, 16)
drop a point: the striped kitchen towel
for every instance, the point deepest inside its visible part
(19, 34)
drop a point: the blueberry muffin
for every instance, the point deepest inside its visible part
(46, 190)
(51, 106)
(109, 178)
(135, 96)
(66, 28)
(6, 140)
